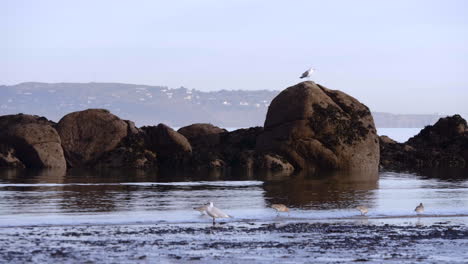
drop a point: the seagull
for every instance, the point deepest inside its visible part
(419, 209)
(280, 208)
(364, 210)
(215, 212)
(201, 209)
(307, 73)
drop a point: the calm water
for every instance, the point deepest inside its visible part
(125, 197)
(398, 134)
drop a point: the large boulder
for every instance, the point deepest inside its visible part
(87, 134)
(170, 146)
(317, 128)
(442, 145)
(202, 135)
(132, 152)
(30, 141)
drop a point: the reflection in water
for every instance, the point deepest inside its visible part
(342, 189)
(171, 195)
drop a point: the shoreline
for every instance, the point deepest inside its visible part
(243, 242)
(357, 220)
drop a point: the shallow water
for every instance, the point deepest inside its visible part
(51, 197)
(130, 216)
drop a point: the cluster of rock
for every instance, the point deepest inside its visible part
(442, 145)
(308, 127)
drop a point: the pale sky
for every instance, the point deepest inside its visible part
(396, 56)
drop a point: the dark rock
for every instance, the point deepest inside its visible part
(200, 129)
(202, 135)
(8, 158)
(273, 162)
(88, 134)
(443, 145)
(130, 153)
(235, 149)
(30, 140)
(317, 128)
(170, 146)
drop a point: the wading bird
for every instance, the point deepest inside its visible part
(280, 208)
(215, 212)
(364, 210)
(419, 209)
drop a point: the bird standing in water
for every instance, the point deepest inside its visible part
(364, 210)
(419, 209)
(280, 208)
(215, 212)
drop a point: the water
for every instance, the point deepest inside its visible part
(52, 197)
(125, 216)
(398, 134)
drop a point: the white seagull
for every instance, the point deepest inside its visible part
(215, 212)
(308, 73)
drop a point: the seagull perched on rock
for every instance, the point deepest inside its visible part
(308, 73)
(215, 212)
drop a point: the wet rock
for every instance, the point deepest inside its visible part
(8, 158)
(32, 141)
(132, 152)
(235, 149)
(314, 127)
(442, 145)
(273, 162)
(87, 134)
(170, 146)
(202, 136)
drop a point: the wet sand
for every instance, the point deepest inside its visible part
(235, 242)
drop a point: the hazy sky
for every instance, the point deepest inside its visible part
(395, 56)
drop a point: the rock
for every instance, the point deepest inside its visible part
(217, 163)
(273, 162)
(443, 145)
(200, 129)
(35, 142)
(8, 158)
(235, 149)
(170, 146)
(87, 134)
(202, 135)
(445, 131)
(130, 153)
(387, 140)
(317, 128)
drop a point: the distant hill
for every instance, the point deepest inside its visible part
(150, 105)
